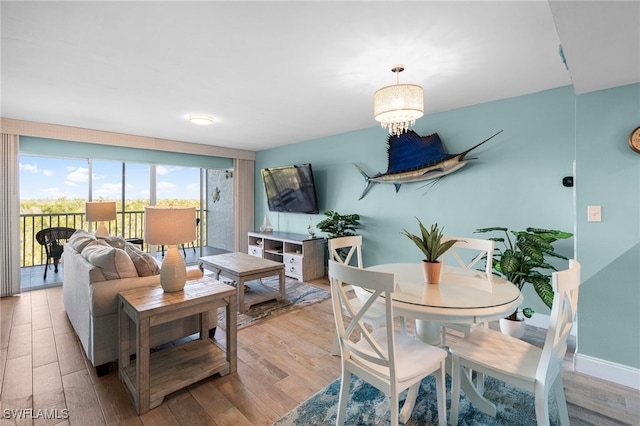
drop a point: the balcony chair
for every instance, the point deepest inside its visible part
(391, 362)
(53, 240)
(520, 363)
(341, 250)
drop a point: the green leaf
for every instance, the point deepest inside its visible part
(544, 290)
(532, 252)
(528, 312)
(495, 228)
(509, 263)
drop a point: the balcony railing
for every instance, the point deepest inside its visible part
(130, 224)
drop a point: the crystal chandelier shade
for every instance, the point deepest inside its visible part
(398, 107)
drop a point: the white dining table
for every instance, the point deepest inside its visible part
(463, 296)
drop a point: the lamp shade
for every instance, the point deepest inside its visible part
(169, 225)
(397, 107)
(99, 211)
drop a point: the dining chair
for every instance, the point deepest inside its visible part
(519, 363)
(343, 250)
(467, 253)
(389, 361)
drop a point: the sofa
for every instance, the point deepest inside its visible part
(95, 271)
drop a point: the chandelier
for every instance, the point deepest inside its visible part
(398, 107)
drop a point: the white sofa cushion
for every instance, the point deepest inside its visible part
(114, 262)
(145, 263)
(80, 239)
(114, 241)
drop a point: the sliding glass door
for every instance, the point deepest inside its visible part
(54, 192)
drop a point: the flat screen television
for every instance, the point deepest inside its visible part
(291, 189)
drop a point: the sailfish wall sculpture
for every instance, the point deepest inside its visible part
(414, 158)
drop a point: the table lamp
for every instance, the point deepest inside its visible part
(101, 211)
(170, 226)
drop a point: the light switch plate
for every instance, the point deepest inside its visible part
(594, 213)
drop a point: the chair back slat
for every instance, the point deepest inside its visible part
(342, 249)
(380, 285)
(563, 313)
(484, 249)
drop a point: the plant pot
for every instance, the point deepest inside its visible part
(512, 328)
(431, 271)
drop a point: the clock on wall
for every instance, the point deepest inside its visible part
(634, 140)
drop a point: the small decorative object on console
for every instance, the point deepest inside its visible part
(266, 227)
(310, 229)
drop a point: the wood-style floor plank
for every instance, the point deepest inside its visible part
(82, 400)
(281, 362)
(48, 393)
(44, 347)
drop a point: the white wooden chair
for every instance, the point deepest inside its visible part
(520, 363)
(350, 246)
(391, 362)
(463, 250)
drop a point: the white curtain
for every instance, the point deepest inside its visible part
(243, 192)
(9, 217)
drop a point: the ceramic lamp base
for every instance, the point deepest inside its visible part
(102, 230)
(173, 272)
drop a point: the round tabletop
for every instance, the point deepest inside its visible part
(463, 295)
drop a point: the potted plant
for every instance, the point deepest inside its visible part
(430, 243)
(337, 225)
(523, 260)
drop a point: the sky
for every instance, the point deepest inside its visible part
(52, 178)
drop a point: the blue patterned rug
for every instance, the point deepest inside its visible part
(369, 406)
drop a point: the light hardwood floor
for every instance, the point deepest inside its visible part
(281, 362)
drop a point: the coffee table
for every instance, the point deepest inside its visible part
(243, 268)
(150, 377)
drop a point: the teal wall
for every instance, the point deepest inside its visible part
(608, 174)
(67, 149)
(515, 182)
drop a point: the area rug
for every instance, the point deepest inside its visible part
(369, 406)
(298, 294)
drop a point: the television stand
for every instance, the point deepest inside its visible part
(302, 256)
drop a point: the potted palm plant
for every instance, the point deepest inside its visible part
(431, 245)
(522, 259)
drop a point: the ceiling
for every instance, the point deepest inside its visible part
(276, 73)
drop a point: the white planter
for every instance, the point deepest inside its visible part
(512, 328)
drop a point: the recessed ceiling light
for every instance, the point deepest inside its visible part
(201, 119)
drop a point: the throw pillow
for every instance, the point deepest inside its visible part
(80, 239)
(114, 241)
(145, 263)
(114, 262)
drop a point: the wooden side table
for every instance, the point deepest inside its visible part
(150, 377)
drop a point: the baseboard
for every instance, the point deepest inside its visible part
(606, 370)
